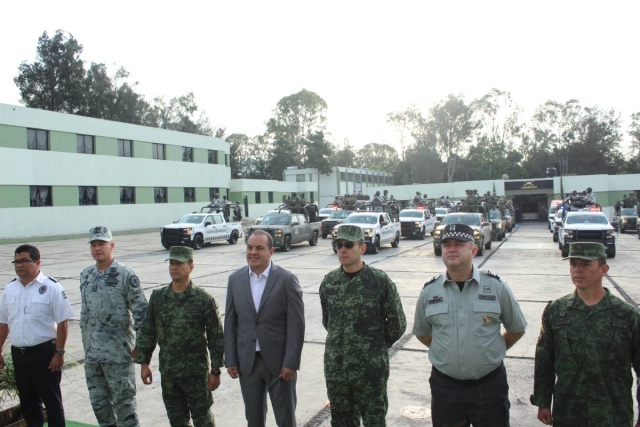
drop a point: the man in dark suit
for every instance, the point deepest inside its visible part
(264, 333)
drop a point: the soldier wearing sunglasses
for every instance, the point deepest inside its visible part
(363, 315)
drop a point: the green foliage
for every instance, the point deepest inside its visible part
(381, 157)
(8, 385)
(345, 156)
(179, 114)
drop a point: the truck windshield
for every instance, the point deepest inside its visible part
(494, 214)
(339, 214)
(361, 219)
(411, 214)
(441, 211)
(276, 220)
(587, 219)
(190, 219)
(462, 219)
(628, 211)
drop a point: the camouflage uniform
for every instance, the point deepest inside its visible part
(109, 299)
(590, 349)
(363, 316)
(184, 325)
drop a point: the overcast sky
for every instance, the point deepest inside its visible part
(365, 58)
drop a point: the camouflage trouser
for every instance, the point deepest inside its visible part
(350, 401)
(187, 398)
(112, 391)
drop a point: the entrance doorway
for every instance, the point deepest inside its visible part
(533, 207)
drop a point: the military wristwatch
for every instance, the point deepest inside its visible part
(216, 372)
(60, 352)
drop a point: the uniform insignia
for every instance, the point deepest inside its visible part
(487, 319)
(486, 289)
(430, 281)
(64, 295)
(53, 280)
(487, 297)
(13, 280)
(436, 299)
(492, 274)
(42, 289)
(134, 282)
(563, 322)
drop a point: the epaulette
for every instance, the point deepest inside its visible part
(431, 281)
(14, 279)
(491, 273)
(52, 279)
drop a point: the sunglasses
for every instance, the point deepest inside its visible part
(22, 261)
(347, 244)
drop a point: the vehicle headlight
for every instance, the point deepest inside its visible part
(567, 233)
(500, 225)
(368, 232)
(437, 233)
(418, 224)
(476, 234)
(278, 233)
(610, 233)
(623, 220)
(188, 231)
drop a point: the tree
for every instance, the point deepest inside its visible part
(319, 151)
(449, 129)
(345, 156)
(633, 165)
(425, 166)
(296, 118)
(597, 146)
(179, 115)
(377, 156)
(55, 80)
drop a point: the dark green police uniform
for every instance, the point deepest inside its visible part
(185, 325)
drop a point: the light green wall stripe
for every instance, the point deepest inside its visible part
(108, 195)
(173, 152)
(63, 141)
(202, 195)
(13, 137)
(142, 150)
(200, 155)
(237, 197)
(175, 195)
(144, 195)
(106, 146)
(14, 196)
(65, 196)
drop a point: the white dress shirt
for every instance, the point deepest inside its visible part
(258, 283)
(33, 311)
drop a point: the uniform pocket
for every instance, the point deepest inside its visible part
(485, 318)
(12, 306)
(39, 307)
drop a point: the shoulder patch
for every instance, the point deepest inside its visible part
(134, 282)
(431, 281)
(491, 273)
(52, 279)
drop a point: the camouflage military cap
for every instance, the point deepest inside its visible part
(352, 233)
(180, 253)
(458, 232)
(586, 250)
(100, 233)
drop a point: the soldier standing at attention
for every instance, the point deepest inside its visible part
(458, 316)
(35, 309)
(184, 320)
(111, 299)
(363, 315)
(589, 341)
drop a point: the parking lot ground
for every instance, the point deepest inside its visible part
(527, 260)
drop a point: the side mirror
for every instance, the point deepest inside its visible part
(206, 224)
(383, 223)
(295, 223)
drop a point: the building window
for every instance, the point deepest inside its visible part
(158, 151)
(37, 139)
(127, 195)
(343, 176)
(212, 192)
(189, 194)
(125, 148)
(300, 177)
(258, 197)
(88, 196)
(160, 194)
(270, 195)
(284, 198)
(311, 196)
(187, 154)
(370, 179)
(213, 157)
(40, 195)
(85, 144)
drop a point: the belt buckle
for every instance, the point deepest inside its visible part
(22, 349)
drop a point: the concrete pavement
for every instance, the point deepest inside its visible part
(527, 260)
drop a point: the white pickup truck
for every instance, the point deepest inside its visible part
(416, 223)
(378, 229)
(198, 229)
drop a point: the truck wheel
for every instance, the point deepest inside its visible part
(500, 237)
(324, 235)
(287, 244)
(437, 252)
(488, 245)
(424, 233)
(396, 241)
(233, 239)
(198, 242)
(480, 248)
(565, 251)
(555, 237)
(622, 230)
(166, 246)
(375, 248)
(314, 239)
(611, 253)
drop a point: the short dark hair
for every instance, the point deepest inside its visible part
(263, 233)
(34, 253)
(602, 261)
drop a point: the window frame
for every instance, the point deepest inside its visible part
(38, 132)
(215, 157)
(92, 201)
(48, 201)
(132, 200)
(193, 194)
(155, 151)
(164, 198)
(122, 142)
(258, 197)
(187, 154)
(84, 137)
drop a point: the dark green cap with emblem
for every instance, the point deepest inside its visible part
(352, 233)
(586, 250)
(180, 253)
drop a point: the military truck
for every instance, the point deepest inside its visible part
(287, 229)
(625, 219)
(378, 228)
(336, 217)
(416, 223)
(477, 221)
(498, 224)
(586, 226)
(198, 229)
